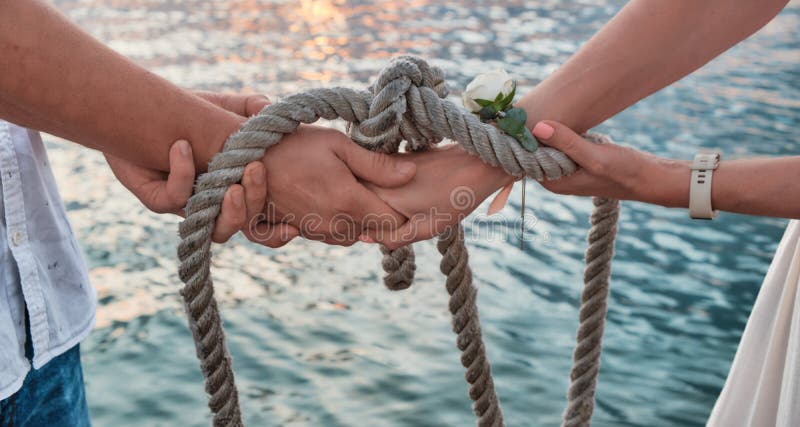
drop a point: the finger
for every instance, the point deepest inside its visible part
(180, 180)
(254, 182)
(255, 103)
(379, 168)
(564, 139)
(578, 184)
(241, 104)
(272, 235)
(417, 228)
(232, 216)
(368, 211)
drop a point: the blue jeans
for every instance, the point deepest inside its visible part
(53, 396)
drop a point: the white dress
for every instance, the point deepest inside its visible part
(763, 386)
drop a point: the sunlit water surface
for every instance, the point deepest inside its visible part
(316, 338)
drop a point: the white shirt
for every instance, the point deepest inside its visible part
(41, 265)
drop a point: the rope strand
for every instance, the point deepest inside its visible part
(405, 103)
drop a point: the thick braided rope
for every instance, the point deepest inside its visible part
(586, 357)
(467, 326)
(405, 103)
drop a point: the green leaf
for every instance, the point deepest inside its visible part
(527, 140)
(487, 113)
(517, 114)
(505, 102)
(483, 102)
(513, 124)
(499, 97)
(510, 125)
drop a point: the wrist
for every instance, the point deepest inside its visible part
(666, 183)
(213, 137)
(495, 177)
(546, 102)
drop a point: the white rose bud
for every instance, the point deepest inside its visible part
(487, 86)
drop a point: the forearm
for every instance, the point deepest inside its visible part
(58, 79)
(760, 186)
(648, 45)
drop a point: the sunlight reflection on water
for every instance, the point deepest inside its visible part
(315, 337)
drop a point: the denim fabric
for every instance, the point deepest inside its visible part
(52, 396)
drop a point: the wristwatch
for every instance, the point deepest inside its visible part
(705, 162)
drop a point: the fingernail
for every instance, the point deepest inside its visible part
(238, 199)
(405, 167)
(366, 239)
(184, 147)
(543, 130)
(258, 176)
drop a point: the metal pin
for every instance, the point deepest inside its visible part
(522, 218)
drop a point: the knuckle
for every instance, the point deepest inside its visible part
(553, 187)
(347, 242)
(156, 208)
(270, 243)
(380, 161)
(153, 206)
(252, 168)
(178, 200)
(340, 143)
(569, 143)
(395, 245)
(275, 244)
(345, 202)
(597, 167)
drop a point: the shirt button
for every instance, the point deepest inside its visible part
(16, 239)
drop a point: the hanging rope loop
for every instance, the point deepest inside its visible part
(406, 103)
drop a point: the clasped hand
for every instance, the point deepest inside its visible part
(311, 184)
(319, 184)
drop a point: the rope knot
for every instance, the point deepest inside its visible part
(405, 103)
(397, 111)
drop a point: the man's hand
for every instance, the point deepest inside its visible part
(449, 184)
(314, 182)
(242, 205)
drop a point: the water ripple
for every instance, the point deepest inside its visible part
(318, 341)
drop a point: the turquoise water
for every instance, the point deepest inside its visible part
(317, 340)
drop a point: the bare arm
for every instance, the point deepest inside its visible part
(757, 186)
(58, 79)
(648, 45)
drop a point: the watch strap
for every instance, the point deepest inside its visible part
(705, 162)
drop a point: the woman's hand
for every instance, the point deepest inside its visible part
(610, 170)
(449, 184)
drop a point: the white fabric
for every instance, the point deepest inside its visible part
(763, 386)
(41, 266)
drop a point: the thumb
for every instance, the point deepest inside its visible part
(378, 168)
(562, 138)
(253, 104)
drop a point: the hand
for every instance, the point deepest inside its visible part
(610, 170)
(168, 193)
(313, 184)
(449, 184)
